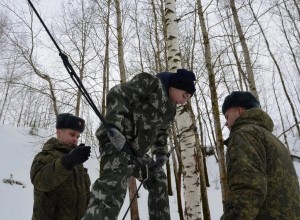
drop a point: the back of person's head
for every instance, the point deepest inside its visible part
(184, 80)
(69, 121)
(240, 99)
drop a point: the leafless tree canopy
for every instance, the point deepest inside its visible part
(232, 45)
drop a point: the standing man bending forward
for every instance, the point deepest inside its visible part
(140, 112)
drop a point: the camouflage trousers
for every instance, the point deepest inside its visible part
(109, 190)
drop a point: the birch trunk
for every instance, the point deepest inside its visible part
(173, 51)
(177, 169)
(185, 125)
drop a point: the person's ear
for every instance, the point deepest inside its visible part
(58, 132)
(241, 110)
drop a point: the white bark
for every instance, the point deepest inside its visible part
(191, 179)
(174, 60)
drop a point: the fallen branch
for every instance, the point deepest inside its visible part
(11, 181)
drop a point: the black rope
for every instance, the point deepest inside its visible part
(37, 14)
(126, 148)
(151, 168)
(135, 195)
(72, 73)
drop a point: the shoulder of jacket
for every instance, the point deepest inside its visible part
(242, 132)
(253, 133)
(246, 128)
(146, 76)
(48, 152)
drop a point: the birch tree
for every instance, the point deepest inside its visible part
(185, 124)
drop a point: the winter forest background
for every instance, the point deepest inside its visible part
(230, 45)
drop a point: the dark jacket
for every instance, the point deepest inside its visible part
(142, 111)
(262, 180)
(59, 194)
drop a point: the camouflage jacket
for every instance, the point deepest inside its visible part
(59, 194)
(262, 180)
(142, 111)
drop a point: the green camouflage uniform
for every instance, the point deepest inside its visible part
(142, 111)
(262, 180)
(59, 194)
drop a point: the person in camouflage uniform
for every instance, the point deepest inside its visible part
(140, 112)
(262, 180)
(61, 183)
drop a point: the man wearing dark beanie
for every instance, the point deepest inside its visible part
(179, 86)
(262, 180)
(183, 80)
(140, 112)
(61, 183)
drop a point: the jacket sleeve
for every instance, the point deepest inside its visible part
(160, 145)
(246, 170)
(47, 172)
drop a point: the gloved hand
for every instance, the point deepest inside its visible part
(117, 138)
(149, 183)
(76, 156)
(161, 159)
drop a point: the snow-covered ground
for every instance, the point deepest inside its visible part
(17, 150)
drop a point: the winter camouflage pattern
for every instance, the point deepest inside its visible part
(59, 194)
(109, 190)
(262, 180)
(142, 111)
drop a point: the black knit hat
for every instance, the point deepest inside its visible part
(67, 120)
(184, 80)
(240, 99)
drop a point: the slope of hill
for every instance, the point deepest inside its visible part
(17, 151)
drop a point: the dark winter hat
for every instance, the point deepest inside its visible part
(240, 99)
(67, 120)
(184, 80)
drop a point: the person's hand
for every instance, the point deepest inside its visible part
(117, 138)
(149, 183)
(76, 156)
(161, 159)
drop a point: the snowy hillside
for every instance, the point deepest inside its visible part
(17, 150)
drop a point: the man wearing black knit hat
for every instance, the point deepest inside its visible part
(61, 183)
(262, 180)
(183, 80)
(139, 111)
